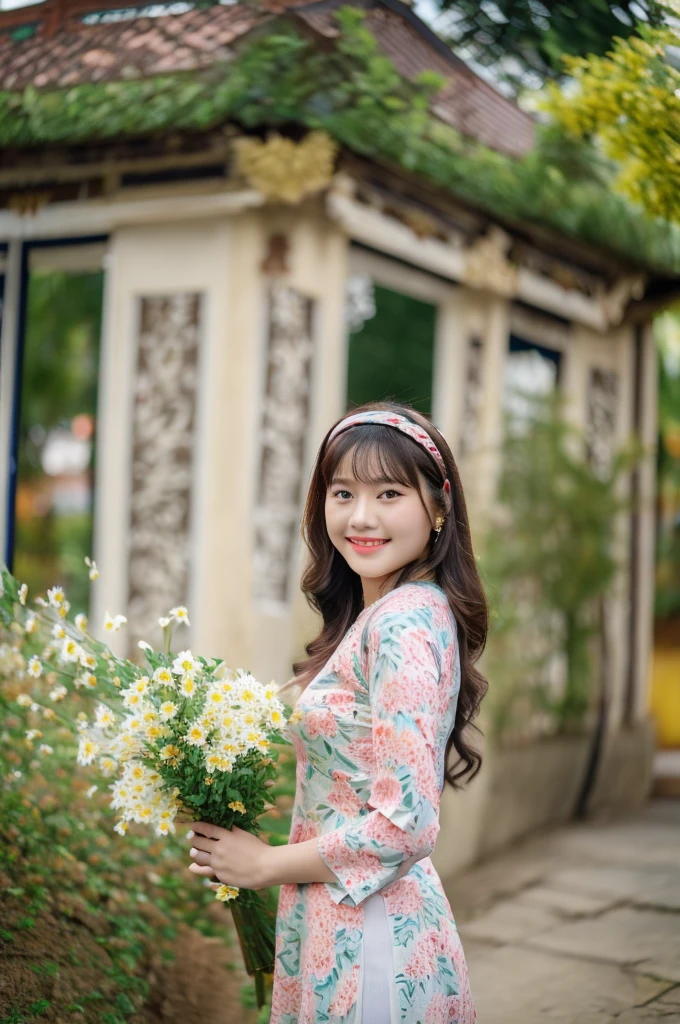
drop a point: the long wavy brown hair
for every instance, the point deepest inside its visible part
(334, 590)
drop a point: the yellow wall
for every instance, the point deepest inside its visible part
(665, 698)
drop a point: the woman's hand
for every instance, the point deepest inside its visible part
(235, 856)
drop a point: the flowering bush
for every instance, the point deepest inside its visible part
(184, 736)
(89, 922)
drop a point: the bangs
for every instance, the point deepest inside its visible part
(379, 455)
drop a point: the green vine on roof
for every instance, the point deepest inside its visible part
(353, 92)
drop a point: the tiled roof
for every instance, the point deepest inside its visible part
(467, 102)
(67, 51)
(137, 46)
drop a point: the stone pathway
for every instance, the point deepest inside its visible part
(581, 926)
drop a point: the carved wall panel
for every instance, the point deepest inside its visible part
(472, 398)
(162, 456)
(601, 417)
(283, 428)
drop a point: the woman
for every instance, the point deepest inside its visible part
(365, 933)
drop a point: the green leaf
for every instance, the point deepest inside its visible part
(41, 1006)
(124, 1003)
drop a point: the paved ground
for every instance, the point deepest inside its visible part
(578, 927)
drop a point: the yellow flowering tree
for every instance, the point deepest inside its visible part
(628, 101)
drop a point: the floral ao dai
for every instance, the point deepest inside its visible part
(370, 735)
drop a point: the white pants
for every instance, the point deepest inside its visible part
(379, 998)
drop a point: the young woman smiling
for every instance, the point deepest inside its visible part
(365, 933)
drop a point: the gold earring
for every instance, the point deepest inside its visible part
(439, 522)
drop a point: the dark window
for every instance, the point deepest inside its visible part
(391, 355)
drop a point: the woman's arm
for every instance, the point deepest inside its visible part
(299, 863)
(296, 863)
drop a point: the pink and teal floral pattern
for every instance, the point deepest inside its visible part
(370, 732)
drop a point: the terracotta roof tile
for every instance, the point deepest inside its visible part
(142, 46)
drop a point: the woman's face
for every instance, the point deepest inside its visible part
(388, 512)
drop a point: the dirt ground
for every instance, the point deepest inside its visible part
(202, 986)
(60, 960)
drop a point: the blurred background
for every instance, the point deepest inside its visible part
(223, 225)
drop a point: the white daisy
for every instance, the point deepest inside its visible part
(180, 614)
(87, 750)
(71, 651)
(111, 624)
(104, 716)
(188, 686)
(56, 596)
(163, 676)
(196, 736)
(34, 667)
(168, 710)
(275, 719)
(170, 750)
(185, 662)
(107, 766)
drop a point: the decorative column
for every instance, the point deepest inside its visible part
(284, 425)
(163, 435)
(473, 397)
(601, 417)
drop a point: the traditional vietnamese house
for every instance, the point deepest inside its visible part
(242, 288)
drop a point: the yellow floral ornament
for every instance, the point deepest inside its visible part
(286, 170)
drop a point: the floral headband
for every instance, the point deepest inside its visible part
(392, 419)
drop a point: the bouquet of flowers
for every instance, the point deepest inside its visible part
(183, 739)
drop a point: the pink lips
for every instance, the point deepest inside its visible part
(364, 548)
